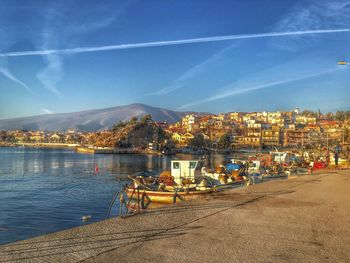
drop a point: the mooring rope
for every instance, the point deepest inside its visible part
(112, 202)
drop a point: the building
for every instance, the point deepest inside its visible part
(254, 129)
(235, 116)
(271, 136)
(296, 137)
(56, 138)
(246, 141)
(305, 120)
(190, 122)
(185, 138)
(176, 137)
(276, 118)
(216, 134)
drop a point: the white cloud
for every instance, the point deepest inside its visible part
(47, 111)
(315, 15)
(62, 29)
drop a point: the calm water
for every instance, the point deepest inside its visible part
(47, 190)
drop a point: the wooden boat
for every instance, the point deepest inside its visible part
(166, 197)
(183, 182)
(224, 177)
(259, 178)
(233, 184)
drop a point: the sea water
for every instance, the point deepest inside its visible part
(47, 190)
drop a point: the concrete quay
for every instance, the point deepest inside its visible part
(302, 219)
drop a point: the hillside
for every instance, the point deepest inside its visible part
(90, 120)
(134, 133)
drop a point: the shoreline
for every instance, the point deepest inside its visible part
(303, 219)
(40, 145)
(106, 150)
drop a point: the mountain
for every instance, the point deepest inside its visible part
(90, 120)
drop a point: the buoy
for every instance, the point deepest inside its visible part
(85, 218)
(97, 169)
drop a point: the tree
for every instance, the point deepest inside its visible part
(309, 113)
(10, 138)
(225, 140)
(3, 136)
(339, 115)
(133, 120)
(198, 141)
(146, 119)
(346, 134)
(342, 115)
(330, 116)
(118, 126)
(160, 134)
(169, 144)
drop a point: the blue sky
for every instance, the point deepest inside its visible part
(201, 55)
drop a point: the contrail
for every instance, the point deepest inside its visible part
(9, 75)
(263, 86)
(191, 73)
(167, 43)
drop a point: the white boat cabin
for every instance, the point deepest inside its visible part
(254, 167)
(280, 157)
(238, 161)
(185, 170)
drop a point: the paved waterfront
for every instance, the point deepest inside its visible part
(304, 219)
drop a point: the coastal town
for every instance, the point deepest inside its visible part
(260, 199)
(175, 131)
(211, 132)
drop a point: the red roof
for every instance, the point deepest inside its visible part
(327, 122)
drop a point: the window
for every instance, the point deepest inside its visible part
(176, 165)
(192, 165)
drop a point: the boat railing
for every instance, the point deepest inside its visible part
(123, 199)
(142, 200)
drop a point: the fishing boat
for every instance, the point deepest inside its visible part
(183, 183)
(166, 196)
(227, 176)
(268, 166)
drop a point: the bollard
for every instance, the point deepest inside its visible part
(138, 200)
(310, 170)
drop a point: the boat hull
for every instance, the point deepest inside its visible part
(233, 184)
(260, 179)
(165, 197)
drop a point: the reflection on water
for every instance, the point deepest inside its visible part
(46, 190)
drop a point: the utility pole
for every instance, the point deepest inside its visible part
(302, 140)
(260, 140)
